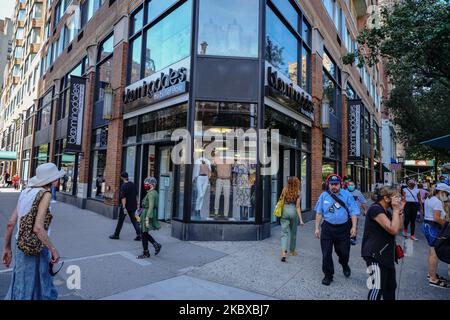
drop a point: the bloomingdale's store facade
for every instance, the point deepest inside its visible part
(243, 66)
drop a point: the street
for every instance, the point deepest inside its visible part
(205, 270)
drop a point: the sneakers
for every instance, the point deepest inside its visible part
(439, 284)
(405, 233)
(347, 271)
(413, 237)
(145, 255)
(114, 237)
(138, 238)
(157, 248)
(326, 281)
(293, 253)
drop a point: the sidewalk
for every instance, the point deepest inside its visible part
(206, 270)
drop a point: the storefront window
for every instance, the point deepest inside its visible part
(168, 41)
(129, 161)
(281, 47)
(159, 125)
(130, 131)
(224, 176)
(228, 28)
(98, 174)
(25, 166)
(66, 162)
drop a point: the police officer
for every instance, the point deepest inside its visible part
(337, 208)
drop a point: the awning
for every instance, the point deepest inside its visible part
(8, 155)
(384, 168)
(440, 142)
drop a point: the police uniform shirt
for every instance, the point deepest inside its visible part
(325, 207)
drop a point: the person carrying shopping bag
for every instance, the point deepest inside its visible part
(290, 217)
(149, 217)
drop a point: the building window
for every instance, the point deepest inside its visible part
(78, 70)
(36, 35)
(41, 155)
(88, 9)
(137, 21)
(136, 57)
(37, 11)
(21, 15)
(45, 111)
(224, 182)
(228, 28)
(169, 40)
(18, 53)
(19, 33)
(281, 47)
(288, 11)
(156, 7)
(106, 48)
(99, 144)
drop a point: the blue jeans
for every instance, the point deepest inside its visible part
(53, 193)
(31, 279)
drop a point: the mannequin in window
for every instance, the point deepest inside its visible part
(223, 182)
(243, 189)
(201, 175)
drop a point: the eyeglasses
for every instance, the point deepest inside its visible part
(50, 268)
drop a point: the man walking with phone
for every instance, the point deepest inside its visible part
(337, 208)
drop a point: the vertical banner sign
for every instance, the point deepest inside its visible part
(76, 111)
(354, 128)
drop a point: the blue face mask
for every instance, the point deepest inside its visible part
(351, 188)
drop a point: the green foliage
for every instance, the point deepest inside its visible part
(414, 43)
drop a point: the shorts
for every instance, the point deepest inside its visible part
(431, 233)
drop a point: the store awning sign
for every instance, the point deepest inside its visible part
(284, 91)
(77, 95)
(156, 88)
(354, 127)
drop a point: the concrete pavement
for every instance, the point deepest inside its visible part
(205, 270)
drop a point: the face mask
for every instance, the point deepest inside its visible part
(351, 188)
(147, 187)
(443, 197)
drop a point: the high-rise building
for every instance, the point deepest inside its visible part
(20, 87)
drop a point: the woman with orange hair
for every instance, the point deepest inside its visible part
(291, 215)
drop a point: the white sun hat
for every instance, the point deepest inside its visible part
(46, 173)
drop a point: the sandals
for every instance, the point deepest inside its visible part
(293, 253)
(440, 284)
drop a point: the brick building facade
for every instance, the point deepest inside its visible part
(227, 53)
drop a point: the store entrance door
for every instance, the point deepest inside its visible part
(288, 166)
(157, 163)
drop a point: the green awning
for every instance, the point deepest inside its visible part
(8, 155)
(68, 158)
(384, 168)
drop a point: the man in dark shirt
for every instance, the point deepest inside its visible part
(128, 199)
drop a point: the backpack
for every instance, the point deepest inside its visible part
(442, 244)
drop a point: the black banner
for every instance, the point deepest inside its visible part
(77, 93)
(354, 129)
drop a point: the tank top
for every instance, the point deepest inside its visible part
(25, 203)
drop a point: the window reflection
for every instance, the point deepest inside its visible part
(228, 28)
(281, 47)
(169, 40)
(156, 7)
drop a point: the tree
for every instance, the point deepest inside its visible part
(413, 41)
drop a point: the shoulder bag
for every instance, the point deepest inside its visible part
(278, 212)
(28, 241)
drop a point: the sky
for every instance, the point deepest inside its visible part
(7, 8)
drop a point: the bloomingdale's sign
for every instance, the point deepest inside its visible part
(354, 126)
(287, 93)
(154, 89)
(76, 111)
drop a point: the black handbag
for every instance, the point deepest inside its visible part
(442, 244)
